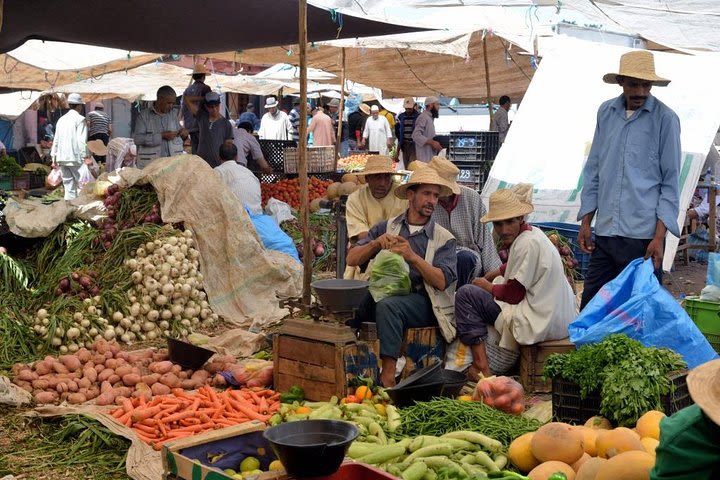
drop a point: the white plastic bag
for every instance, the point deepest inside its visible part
(279, 210)
(54, 178)
(88, 171)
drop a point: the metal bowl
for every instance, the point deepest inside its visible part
(341, 295)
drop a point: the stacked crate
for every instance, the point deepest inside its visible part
(473, 153)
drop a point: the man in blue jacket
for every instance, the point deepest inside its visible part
(403, 131)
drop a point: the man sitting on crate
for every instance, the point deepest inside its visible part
(429, 251)
(528, 299)
(372, 202)
(460, 213)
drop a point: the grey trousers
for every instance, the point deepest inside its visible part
(71, 180)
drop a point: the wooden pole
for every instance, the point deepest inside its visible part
(302, 154)
(341, 108)
(487, 78)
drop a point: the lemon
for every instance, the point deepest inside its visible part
(380, 409)
(275, 465)
(229, 471)
(249, 464)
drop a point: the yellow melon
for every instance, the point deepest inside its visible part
(650, 444)
(612, 442)
(546, 469)
(632, 465)
(333, 191)
(520, 454)
(349, 177)
(649, 424)
(576, 466)
(315, 205)
(589, 469)
(557, 441)
(598, 423)
(346, 188)
(589, 438)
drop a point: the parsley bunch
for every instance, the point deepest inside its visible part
(630, 378)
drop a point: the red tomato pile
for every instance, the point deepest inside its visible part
(288, 190)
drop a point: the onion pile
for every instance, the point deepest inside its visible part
(71, 331)
(82, 284)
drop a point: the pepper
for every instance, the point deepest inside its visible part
(295, 394)
(557, 476)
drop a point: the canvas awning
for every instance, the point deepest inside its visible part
(13, 104)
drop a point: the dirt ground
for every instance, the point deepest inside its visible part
(685, 279)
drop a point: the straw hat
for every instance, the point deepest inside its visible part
(199, 68)
(271, 102)
(97, 147)
(424, 176)
(639, 64)
(365, 108)
(447, 171)
(378, 164)
(704, 386)
(507, 203)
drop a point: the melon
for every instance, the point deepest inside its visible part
(589, 469)
(315, 205)
(612, 442)
(632, 465)
(333, 191)
(520, 455)
(598, 423)
(649, 424)
(350, 177)
(557, 441)
(589, 438)
(545, 470)
(576, 466)
(346, 188)
(650, 444)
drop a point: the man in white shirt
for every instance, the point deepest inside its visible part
(241, 181)
(69, 149)
(500, 122)
(377, 134)
(275, 124)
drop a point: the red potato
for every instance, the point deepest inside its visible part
(71, 362)
(183, 375)
(106, 398)
(91, 374)
(60, 368)
(176, 369)
(72, 386)
(105, 374)
(99, 359)
(200, 376)
(188, 384)
(46, 397)
(214, 367)
(120, 400)
(84, 355)
(108, 355)
(123, 370)
(161, 367)
(77, 398)
(147, 394)
(41, 384)
(111, 363)
(92, 393)
(123, 392)
(41, 368)
(61, 387)
(131, 379)
(24, 385)
(150, 379)
(169, 379)
(160, 389)
(27, 375)
(105, 387)
(114, 378)
(115, 348)
(84, 383)
(100, 367)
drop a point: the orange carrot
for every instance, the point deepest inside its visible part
(248, 411)
(147, 412)
(117, 413)
(263, 405)
(177, 416)
(127, 405)
(146, 430)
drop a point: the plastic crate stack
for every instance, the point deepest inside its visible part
(706, 316)
(570, 231)
(274, 153)
(473, 153)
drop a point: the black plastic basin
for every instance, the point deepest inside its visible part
(311, 448)
(407, 396)
(453, 382)
(341, 295)
(186, 354)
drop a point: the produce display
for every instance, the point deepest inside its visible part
(179, 414)
(353, 163)
(610, 366)
(288, 190)
(324, 234)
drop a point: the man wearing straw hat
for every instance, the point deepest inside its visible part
(460, 213)
(429, 251)
(689, 448)
(195, 94)
(631, 177)
(275, 124)
(528, 299)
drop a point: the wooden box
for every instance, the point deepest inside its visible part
(532, 363)
(420, 347)
(322, 369)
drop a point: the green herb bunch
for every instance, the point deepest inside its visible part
(9, 167)
(631, 378)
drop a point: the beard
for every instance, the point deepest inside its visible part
(434, 112)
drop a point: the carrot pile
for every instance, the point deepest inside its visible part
(180, 414)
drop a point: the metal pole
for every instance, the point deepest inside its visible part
(302, 155)
(341, 109)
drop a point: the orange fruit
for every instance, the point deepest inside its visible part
(363, 393)
(649, 424)
(303, 410)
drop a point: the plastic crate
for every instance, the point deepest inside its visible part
(319, 160)
(37, 179)
(473, 146)
(6, 183)
(472, 174)
(706, 316)
(570, 231)
(21, 182)
(569, 407)
(274, 153)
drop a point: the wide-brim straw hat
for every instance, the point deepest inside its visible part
(199, 68)
(506, 204)
(424, 176)
(378, 164)
(447, 171)
(364, 108)
(97, 147)
(639, 64)
(704, 385)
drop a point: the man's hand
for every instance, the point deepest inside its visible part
(266, 169)
(483, 283)
(168, 135)
(435, 145)
(655, 250)
(386, 241)
(585, 238)
(183, 133)
(402, 248)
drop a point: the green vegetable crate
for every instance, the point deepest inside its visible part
(6, 183)
(706, 316)
(569, 407)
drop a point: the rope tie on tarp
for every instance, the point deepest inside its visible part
(337, 17)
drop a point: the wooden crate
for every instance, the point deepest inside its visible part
(322, 369)
(532, 363)
(420, 347)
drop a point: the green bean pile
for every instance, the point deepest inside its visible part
(441, 416)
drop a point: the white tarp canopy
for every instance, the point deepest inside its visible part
(286, 72)
(67, 56)
(548, 146)
(13, 104)
(141, 83)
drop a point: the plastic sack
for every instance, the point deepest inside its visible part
(636, 305)
(89, 171)
(273, 238)
(711, 292)
(54, 178)
(279, 210)
(502, 393)
(389, 276)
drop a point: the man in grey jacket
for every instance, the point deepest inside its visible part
(423, 135)
(158, 132)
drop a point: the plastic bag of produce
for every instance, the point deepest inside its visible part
(635, 304)
(502, 393)
(389, 276)
(54, 178)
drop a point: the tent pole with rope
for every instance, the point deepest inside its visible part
(302, 155)
(341, 108)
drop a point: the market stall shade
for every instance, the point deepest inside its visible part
(165, 27)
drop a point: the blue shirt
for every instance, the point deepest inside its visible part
(250, 118)
(445, 257)
(631, 177)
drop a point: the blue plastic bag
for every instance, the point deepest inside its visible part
(636, 305)
(273, 238)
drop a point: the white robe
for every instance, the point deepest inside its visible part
(275, 127)
(377, 132)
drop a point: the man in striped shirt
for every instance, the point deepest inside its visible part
(99, 127)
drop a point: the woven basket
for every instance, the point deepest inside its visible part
(319, 160)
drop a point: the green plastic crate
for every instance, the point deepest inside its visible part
(706, 316)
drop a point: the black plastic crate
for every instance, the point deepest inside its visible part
(37, 179)
(274, 153)
(571, 232)
(569, 407)
(473, 146)
(472, 174)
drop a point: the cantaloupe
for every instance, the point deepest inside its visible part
(346, 188)
(520, 454)
(349, 177)
(333, 191)
(557, 441)
(589, 469)
(576, 466)
(315, 205)
(598, 423)
(546, 469)
(650, 444)
(632, 465)
(612, 442)
(649, 424)
(589, 438)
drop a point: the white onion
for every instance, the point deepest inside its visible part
(42, 313)
(85, 323)
(77, 316)
(56, 342)
(135, 309)
(166, 314)
(125, 338)
(109, 334)
(161, 300)
(151, 335)
(119, 330)
(136, 277)
(93, 332)
(153, 315)
(125, 322)
(148, 326)
(117, 316)
(63, 349)
(135, 327)
(73, 347)
(45, 321)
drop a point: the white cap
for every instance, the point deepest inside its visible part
(75, 99)
(271, 102)
(374, 108)
(431, 100)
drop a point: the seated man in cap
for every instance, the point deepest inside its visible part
(158, 132)
(429, 251)
(372, 202)
(460, 213)
(214, 129)
(528, 299)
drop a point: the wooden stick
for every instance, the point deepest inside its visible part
(302, 154)
(487, 77)
(341, 108)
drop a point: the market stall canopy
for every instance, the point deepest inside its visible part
(141, 83)
(419, 64)
(13, 104)
(287, 72)
(183, 26)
